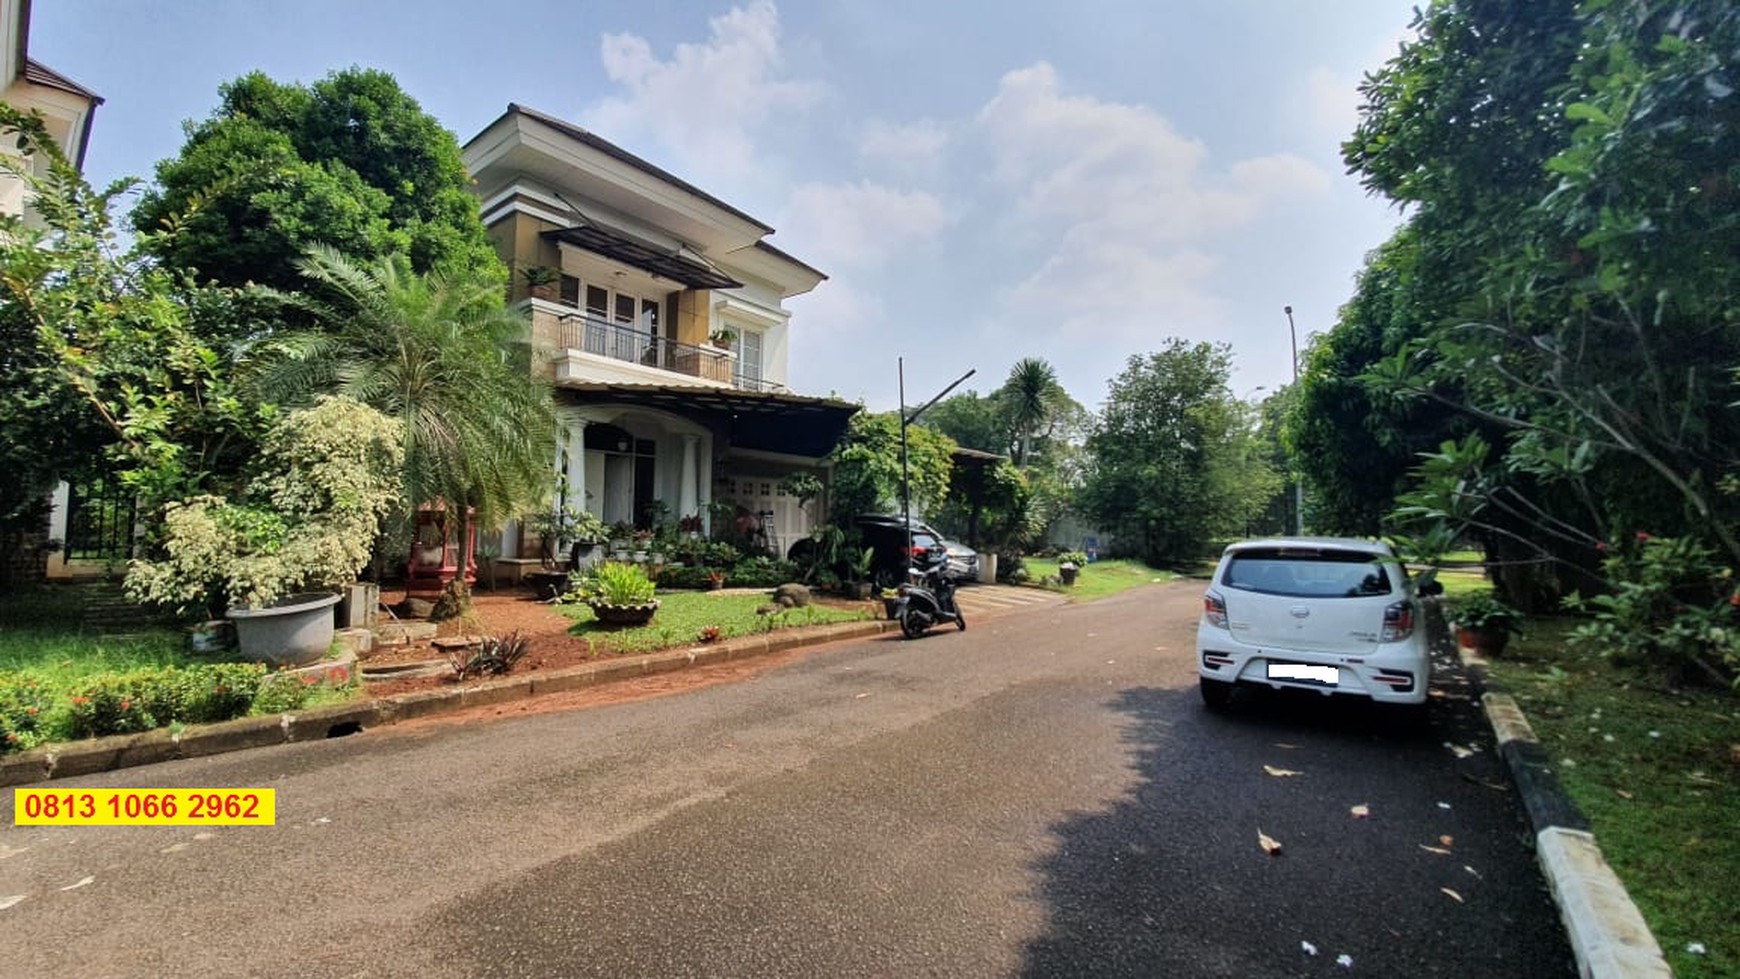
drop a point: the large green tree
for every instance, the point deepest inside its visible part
(351, 162)
(1566, 283)
(1174, 463)
(439, 352)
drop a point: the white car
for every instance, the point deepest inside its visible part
(1335, 615)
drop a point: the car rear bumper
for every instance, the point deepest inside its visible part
(1393, 673)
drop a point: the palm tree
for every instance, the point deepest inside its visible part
(440, 352)
(1030, 399)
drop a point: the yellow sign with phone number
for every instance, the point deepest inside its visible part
(145, 807)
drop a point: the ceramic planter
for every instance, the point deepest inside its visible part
(624, 615)
(292, 631)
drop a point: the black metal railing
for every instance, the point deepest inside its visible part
(99, 521)
(619, 341)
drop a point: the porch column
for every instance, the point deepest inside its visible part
(688, 496)
(576, 472)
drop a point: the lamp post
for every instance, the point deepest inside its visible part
(905, 420)
(1298, 487)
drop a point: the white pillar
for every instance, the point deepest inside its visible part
(688, 493)
(577, 463)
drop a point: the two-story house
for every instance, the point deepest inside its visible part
(93, 528)
(660, 311)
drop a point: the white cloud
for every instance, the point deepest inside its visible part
(1332, 101)
(706, 101)
(860, 225)
(916, 145)
(1132, 205)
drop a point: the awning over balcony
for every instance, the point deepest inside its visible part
(765, 421)
(691, 270)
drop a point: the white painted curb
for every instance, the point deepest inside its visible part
(1608, 934)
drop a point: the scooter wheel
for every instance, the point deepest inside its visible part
(913, 624)
(960, 621)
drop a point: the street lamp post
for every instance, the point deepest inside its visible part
(1298, 486)
(905, 420)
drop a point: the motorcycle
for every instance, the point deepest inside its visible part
(928, 598)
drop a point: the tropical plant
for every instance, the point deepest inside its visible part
(1671, 604)
(539, 275)
(1481, 611)
(326, 480)
(616, 583)
(439, 352)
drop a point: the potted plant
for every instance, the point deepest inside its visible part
(541, 281)
(890, 602)
(1484, 624)
(861, 562)
(327, 478)
(723, 339)
(619, 594)
(1069, 564)
(715, 579)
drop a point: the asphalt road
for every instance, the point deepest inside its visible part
(1042, 795)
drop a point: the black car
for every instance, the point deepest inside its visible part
(887, 537)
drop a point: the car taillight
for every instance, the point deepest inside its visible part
(919, 551)
(1214, 610)
(1398, 622)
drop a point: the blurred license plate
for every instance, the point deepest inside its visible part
(1327, 675)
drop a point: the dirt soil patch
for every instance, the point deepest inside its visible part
(552, 647)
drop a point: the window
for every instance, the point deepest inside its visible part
(1302, 573)
(570, 292)
(748, 347)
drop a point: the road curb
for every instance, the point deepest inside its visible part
(1607, 932)
(73, 758)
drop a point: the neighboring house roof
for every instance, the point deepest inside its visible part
(37, 73)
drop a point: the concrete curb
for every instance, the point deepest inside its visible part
(73, 758)
(1607, 933)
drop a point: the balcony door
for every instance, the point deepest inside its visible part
(623, 326)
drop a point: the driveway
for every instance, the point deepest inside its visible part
(1039, 795)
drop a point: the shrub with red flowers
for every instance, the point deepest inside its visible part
(139, 700)
(23, 702)
(1673, 604)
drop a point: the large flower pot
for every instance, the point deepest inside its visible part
(292, 631)
(624, 615)
(1489, 643)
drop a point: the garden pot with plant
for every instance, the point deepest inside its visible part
(1069, 564)
(619, 594)
(1484, 624)
(541, 281)
(307, 522)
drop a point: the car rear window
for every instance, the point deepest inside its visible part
(1308, 573)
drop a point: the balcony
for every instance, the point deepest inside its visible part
(628, 345)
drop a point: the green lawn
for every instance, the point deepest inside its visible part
(1655, 770)
(683, 615)
(40, 633)
(1098, 580)
(1459, 583)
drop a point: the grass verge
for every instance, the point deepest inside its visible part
(683, 616)
(1098, 580)
(1656, 771)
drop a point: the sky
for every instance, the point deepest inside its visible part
(982, 181)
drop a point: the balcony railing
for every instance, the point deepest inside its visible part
(618, 341)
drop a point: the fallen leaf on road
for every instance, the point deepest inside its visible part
(11, 851)
(1453, 894)
(1447, 840)
(202, 836)
(1622, 793)
(1435, 849)
(1270, 845)
(6, 902)
(1309, 948)
(175, 848)
(80, 884)
(1344, 960)
(1280, 772)
(1471, 870)
(1289, 747)
(860, 696)
(1443, 805)
(1360, 811)
(1458, 750)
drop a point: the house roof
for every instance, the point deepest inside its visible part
(695, 272)
(769, 421)
(37, 73)
(785, 256)
(615, 152)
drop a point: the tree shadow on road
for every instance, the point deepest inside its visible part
(1172, 881)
